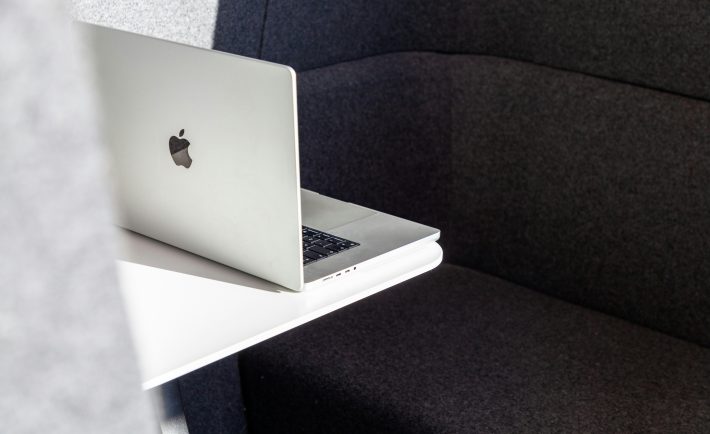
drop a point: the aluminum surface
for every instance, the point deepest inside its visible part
(239, 201)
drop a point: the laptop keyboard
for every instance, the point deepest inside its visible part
(318, 245)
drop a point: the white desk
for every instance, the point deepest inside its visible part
(186, 312)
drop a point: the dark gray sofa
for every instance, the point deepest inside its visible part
(563, 147)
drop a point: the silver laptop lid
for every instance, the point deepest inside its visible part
(204, 147)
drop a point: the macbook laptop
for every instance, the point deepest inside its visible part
(204, 147)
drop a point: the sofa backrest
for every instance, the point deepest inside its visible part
(563, 145)
(654, 43)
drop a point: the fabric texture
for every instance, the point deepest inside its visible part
(67, 363)
(559, 145)
(457, 351)
(583, 188)
(211, 398)
(239, 27)
(658, 44)
(189, 22)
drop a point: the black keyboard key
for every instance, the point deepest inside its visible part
(318, 245)
(312, 255)
(319, 249)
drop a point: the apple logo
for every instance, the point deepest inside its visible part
(178, 149)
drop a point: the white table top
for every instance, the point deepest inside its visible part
(186, 312)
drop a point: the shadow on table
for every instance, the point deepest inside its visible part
(142, 250)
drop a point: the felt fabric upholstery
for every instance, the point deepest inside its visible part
(658, 43)
(583, 188)
(239, 27)
(457, 351)
(211, 398)
(561, 146)
(67, 362)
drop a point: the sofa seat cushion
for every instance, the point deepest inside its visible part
(458, 351)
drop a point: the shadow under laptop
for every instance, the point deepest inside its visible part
(140, 249)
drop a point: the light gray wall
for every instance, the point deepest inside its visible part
(187, 21)
(66, 359)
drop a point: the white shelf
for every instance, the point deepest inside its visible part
(186, 312)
